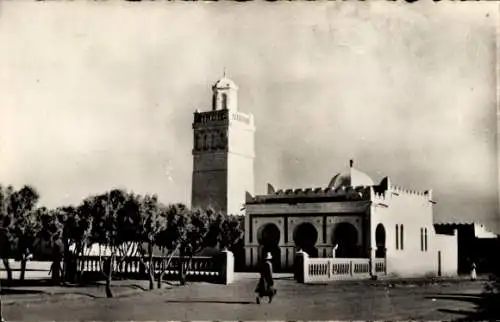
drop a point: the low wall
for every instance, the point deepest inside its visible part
(219, 268)
(34, 270)
(320, 270)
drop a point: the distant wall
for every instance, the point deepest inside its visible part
(447, 254)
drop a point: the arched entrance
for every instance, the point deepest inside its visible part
(269, 239)
(305, 237)
(345, 236)
(380, 241)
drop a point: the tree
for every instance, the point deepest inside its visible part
(6, 227)
(170, 238)
(78, 228)
(112, 229)
(51, 235)
(149, 225)
(24, 231)
(229, 231)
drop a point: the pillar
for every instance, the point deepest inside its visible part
(227, 267)
(300, 258)
(372, 262)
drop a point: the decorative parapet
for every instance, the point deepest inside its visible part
(342, 194)
(400, 191)
(212, 117)
(386, 191)
(381, 193)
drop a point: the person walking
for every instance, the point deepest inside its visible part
(473, 274)
(266, 282)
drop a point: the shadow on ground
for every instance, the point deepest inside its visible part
(9, 291)
(26, 282)
(487, 305)
(92, 289)
(209, 302)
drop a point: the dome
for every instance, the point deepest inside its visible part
(352, 178)
(225, 82)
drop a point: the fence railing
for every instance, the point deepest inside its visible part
(220, 267)
(314, 270)
(380, 267)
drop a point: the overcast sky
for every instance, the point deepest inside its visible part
(96, 95)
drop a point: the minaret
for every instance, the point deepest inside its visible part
(223, 152)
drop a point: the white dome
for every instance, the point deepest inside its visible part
(352, 178)
(225, 82)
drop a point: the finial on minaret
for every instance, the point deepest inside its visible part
(351, 162)
(224, 72)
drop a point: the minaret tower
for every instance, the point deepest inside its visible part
(223, 152)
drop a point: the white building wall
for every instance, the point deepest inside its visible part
(412, 211)
(240, 159)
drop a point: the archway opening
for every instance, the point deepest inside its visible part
(305, 237)
(269, 239)
(345, 237)
(380, 241)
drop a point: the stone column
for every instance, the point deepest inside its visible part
(227, 267)
(300, 258)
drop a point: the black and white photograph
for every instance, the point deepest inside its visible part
(253, 160)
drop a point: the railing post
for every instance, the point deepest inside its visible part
(351, 268)
(305, 267)
(329, 268)
(385, 263)
(227, 267)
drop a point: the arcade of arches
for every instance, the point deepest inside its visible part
(316, 236)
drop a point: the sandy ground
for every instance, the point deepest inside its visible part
(203, 301)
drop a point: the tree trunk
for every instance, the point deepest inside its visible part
(56, 266)
(23, 268)
(81, 266)
(109, 272)
(159, 281)
(151, 270)
(7, 268)
(56, 271)
(182, 271)
(109, 294)
(66, 261)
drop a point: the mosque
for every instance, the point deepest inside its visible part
(351, 217)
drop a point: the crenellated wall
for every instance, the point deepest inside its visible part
(407, 217)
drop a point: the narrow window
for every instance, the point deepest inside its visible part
(402, 236)
(422, 239)
(425, 240)
(397, 236)
(224, 101)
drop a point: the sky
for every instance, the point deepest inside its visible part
(97, 95)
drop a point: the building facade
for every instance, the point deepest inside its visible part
(350, 218)
(223, 152)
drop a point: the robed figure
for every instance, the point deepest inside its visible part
(473, 274)
(266, 282)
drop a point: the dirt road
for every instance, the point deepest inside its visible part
(203, 301)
